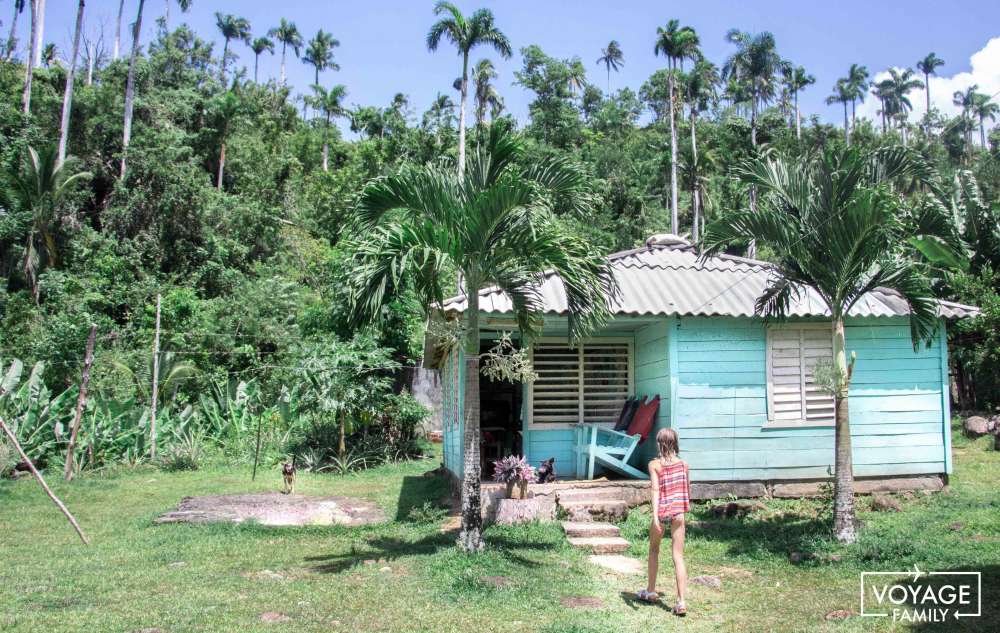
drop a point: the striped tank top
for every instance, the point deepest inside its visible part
(675, 489)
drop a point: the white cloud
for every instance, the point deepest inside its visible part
(985, 72)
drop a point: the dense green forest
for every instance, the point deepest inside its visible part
(234, 201)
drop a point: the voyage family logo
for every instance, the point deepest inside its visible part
(921, 596)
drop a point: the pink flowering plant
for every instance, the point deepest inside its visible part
(513, 468)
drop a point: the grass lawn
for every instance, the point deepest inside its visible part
(405, 575)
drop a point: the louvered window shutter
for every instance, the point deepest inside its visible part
(605, 380)
(556, 391)
(793, 396)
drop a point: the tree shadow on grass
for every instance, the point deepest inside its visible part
(383, 550)
(989, 616)
(418, 490)
(751, 537)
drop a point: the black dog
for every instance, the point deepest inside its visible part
(546, 473)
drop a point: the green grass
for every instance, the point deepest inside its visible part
(202, 578)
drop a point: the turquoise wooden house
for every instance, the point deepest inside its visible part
(739, 393)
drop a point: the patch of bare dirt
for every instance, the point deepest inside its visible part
(272, 508)
(582, 602)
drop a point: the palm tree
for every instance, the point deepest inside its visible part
(842, 94)
(486, 95)
(118, 30)
(288, 34)
(37, 187)
(881, 90)
(232, 27)
(68, 92)
(50, 55)
(857, 86)
(495, 225)
(439, 117)
(29, 66)
(258, 46)
(928, 66)
(675, 43)
(330, 103)
(967, 101)
(833, 223)
(185, 5)
(466, 33)
(612, 58)
(900, 83)
(984, 109)
(797, 80)
(12, 38)
(699, 86)
(226, 108)
(319, 53)
(39, 33)
(755, 64)
(130, 86)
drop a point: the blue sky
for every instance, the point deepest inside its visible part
(383, 47)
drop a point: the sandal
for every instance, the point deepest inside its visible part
(680, 609)
(647, 596)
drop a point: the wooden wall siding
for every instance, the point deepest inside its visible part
(652, 376)
(452, 414)
(898, 416)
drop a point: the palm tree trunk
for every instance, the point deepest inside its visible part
(752, 246)
(982, 132)
(12, 38)
(854, 121)
(118, 29)
(609, 82)
(342, 439)
(847, 134)
(798, 118)
(844, 522)
(674, 214)
(470, 538)
(29, 68)
(461, 139)
(68, 94)
(927, 93)
(256, 63)
(695, 201)
(284, 47)
(166, 16)
(225, 51)
(91, 51)
(130, 84)
(222, 166)
(326, 144)
(37, 59)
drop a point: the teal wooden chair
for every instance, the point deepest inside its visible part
(596, 444)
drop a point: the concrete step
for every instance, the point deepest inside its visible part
(589, 528)
(625, 565)
(600, 544)
(590, 494)
(589, 511)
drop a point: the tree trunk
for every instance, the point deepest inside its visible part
(118, 30)
(798, 118)
(31, 466)
(674, 213)
(461, 134)
(844, 522)
(68, 94)
(470, 538)
(81, 402)
(91, 51)
(39, 40)
(12, 38)
(927, 92)
(695, 197)
(166, 16)
(29, 67)
(256, 63)
(847, 132)
(284, 48)
(156, 382)
(982, 132)
(130, 85)
(752, 247)
(342, 439)
(222, 166)
(326, 144)
(225, 52)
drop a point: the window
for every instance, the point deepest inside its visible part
(588, 383)
(793, 399)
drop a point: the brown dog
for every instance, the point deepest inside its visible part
(288, 472)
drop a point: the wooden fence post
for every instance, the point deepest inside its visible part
(156, 378)
(38, 476)
(81, 402)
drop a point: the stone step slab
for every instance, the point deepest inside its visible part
(624, 565)
(589, 528)
(600, 544)
(589, 511)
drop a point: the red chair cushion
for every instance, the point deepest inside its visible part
(642, 423)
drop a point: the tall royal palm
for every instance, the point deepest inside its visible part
(928, 66)
(842, 94)
(130, 86)
(259, 46)
(796, 80)
(612, 58)
(857, 87)
(288, 34)
(699, 87)
(676, 43)
(966, 99)
(466, 33)
(319, 53)
(834, 225)
(487, 97)
(496, 227)
(754, 64)
(12, 37)
(185, 6)
(330, 103)
(36, 188)
(900, 84)
(984, 108)
(70, 77)
(232, 27)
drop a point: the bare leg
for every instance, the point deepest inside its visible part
(680, 569)
(655, 536)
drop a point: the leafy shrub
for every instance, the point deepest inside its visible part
(427, 513)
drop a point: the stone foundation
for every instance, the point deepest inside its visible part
(812, 487)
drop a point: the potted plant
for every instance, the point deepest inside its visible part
(514, 471)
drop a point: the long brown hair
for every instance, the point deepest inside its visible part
(667, 444)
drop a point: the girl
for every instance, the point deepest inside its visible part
(671, 489)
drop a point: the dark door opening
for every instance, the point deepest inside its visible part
(500, 417)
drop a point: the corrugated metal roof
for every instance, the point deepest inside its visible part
(671, 279)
